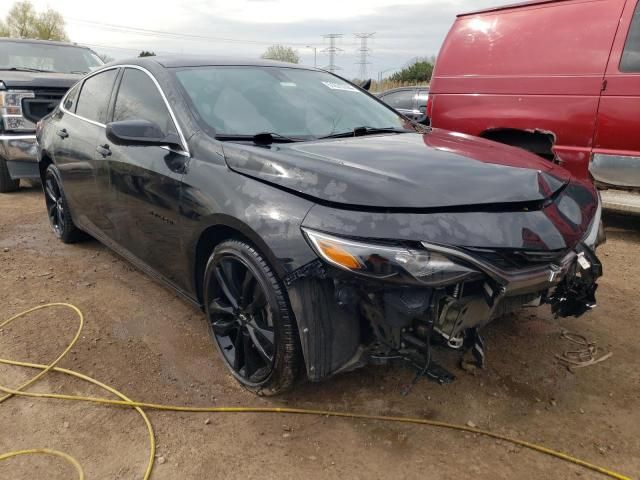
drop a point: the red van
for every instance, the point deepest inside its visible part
(560, 78)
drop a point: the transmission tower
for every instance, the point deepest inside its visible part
(332, 50)
(364, 53)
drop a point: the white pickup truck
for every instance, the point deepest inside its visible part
(34, 76)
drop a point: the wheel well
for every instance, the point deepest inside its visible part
(208, 240)
(43, 164)
(535, 141)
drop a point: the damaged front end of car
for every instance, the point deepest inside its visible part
(371, 302)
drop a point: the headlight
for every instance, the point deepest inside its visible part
(392, 263)
(11, 110)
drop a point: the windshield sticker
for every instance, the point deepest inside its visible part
(340, 86)
(288, 84)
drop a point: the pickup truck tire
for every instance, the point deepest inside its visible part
(7, 184)
(58, 209)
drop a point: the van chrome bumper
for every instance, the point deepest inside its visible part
(616, 170)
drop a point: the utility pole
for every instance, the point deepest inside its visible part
(364, 53)
(332, 50)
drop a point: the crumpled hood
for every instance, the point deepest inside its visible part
(18, 80)
(436, 170)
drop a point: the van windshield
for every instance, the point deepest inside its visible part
(291, 102)
(47, 58)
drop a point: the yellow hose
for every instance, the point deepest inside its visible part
(139, 406)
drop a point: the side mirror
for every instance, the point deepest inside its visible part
(366, 85)
(139, 132)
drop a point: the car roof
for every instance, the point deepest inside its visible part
(178, 61)
(509, 6)
(45, 42)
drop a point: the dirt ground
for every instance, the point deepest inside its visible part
(151, 345)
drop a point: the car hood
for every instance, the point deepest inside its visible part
(439, 169)
(38, 79)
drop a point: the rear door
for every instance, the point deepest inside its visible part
(616, 152)
(83, 120)
(145, 180)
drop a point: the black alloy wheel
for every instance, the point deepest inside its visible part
(58, 209)
(250, 319)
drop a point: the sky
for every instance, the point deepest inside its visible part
(404, 29)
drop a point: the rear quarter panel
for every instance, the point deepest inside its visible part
(530, 68)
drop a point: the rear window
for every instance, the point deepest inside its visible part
(631, 55)
(95, 95)
(70, 100)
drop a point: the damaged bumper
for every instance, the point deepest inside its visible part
(351, 318)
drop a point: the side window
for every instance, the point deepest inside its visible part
(139, 98)
(402, 99)
(631, 56)
(70, 101)
(94, 96)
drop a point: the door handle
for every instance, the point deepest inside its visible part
(103, 150)
(63, 133)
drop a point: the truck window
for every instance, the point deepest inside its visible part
(631, 56)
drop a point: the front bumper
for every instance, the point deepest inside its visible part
(21, 155)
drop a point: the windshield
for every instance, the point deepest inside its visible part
(50, 58)
(292, 102)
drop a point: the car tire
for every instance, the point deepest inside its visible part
(58, 210)
(7, 184)
(261, 312)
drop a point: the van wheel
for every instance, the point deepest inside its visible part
(250, 319)
(7, 184)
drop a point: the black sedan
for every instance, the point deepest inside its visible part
(318, 229)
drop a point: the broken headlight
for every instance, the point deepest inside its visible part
(388, 262)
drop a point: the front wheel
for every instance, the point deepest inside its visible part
(250, 319)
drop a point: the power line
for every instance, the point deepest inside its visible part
(332, 50)
(164, 34)
(364, 53)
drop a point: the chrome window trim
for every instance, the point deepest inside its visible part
(185, 147)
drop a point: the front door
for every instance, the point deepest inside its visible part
(616, 150)
(145, 180)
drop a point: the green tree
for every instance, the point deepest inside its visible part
(282, 54)
(50, 26)
(23, 21)
(419, 70)
(144, 53)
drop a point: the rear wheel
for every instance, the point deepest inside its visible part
(7, 184)
(58, 209)
(250, 319)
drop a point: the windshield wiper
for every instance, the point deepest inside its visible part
(364, 130)
(262, 138)
(26, 69)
